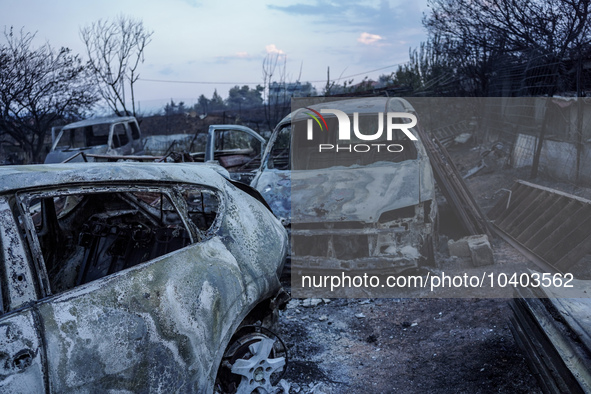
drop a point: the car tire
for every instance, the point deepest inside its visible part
(254, 362)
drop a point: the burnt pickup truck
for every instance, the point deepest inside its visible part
(112, 136)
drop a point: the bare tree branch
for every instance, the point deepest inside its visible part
(39, 86)
(115, 50)
(276, 101)
(477, 34)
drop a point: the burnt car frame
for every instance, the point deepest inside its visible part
(113, 136)
(351, 209)
(236, 148)
(136, 277)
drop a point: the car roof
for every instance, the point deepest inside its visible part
(21, 177)
(359, 105)
(106, 120)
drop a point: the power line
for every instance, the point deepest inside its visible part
(365, 72)
(199, 82)
(259, 82)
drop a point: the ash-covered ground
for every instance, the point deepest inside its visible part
(448, 345)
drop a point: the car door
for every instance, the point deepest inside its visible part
(22, 357)
(236, 148)
(136, 138)
(273, 180)
(119, 140)
(156, 325)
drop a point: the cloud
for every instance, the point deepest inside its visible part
(390, 16)
(167, 70)
(192, 3)
(242, 55)
(272, 49)
(345, 12)
(305, 9)
(370, 39)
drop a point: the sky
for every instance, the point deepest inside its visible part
(215, 45)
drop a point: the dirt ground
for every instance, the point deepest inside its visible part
(414, 345)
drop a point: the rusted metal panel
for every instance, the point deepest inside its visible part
(552, 225)
(553, 333)
(453, 187)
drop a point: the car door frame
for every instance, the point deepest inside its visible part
(20, 323)
(210, 147)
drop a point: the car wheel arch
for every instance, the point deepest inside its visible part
(262, 312)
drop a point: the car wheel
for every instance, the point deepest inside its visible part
(254, 362)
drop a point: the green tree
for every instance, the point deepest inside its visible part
(308, 90)
(202, 106)
(181, 109)
(170, 108)
(217, 102)
(244, 97)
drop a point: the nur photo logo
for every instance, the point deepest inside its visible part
(393, 122)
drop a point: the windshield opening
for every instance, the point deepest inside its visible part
(84, 137)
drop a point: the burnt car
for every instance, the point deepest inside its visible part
(136, 277)
(355, 202)
(111, 136)
(236, 148)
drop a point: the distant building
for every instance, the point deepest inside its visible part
(292, 89)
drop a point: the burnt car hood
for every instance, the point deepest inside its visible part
(354, 193)
(343, 193)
